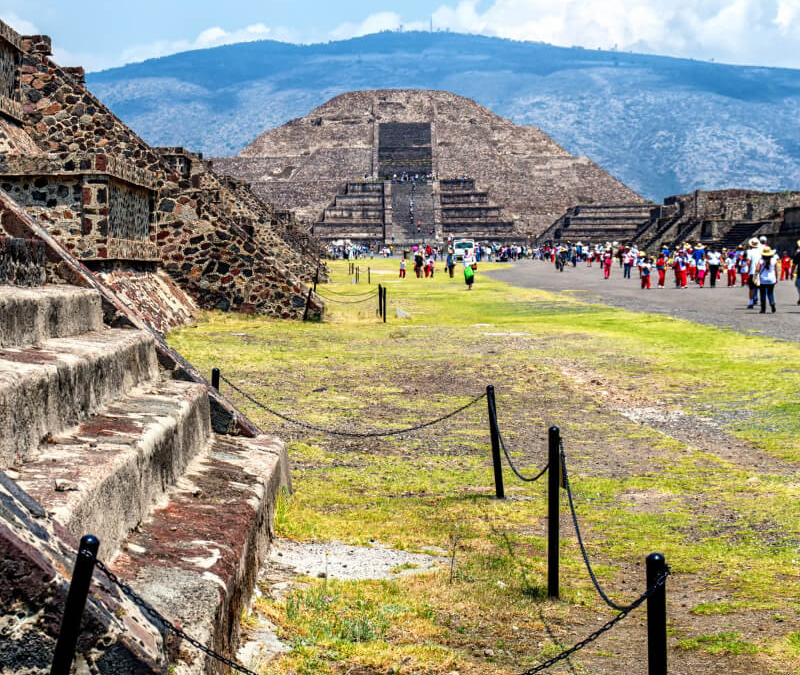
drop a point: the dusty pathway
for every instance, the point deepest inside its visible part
(721, 306)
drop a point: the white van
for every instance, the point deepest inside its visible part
(464, 248)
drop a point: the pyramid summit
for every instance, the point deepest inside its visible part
(518, 179)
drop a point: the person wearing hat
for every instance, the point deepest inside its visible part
(753, 258)
(767, 272)
(796, 270)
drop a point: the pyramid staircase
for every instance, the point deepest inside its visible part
(108, 444)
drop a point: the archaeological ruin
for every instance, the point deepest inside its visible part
(106, 244)
(480, 175)
(723, 218)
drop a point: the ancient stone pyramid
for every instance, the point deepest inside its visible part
(308, 162)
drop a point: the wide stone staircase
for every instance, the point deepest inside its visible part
(109, 445)
(408, 228)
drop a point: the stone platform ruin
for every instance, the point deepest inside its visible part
(722, 218)
(105, 245)
(491, 179)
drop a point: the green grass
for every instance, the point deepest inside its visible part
(729, 531)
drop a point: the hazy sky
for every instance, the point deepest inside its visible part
(99, 34)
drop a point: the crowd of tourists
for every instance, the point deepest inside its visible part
(756, 266)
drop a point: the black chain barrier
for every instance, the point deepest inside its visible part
(603, 629)
(168, 626)
(349, 302)
(349, 295)
(600, 591)
(351, 434)
(514, 469)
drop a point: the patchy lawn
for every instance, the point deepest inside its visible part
(680, 438)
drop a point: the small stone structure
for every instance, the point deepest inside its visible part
(308, 163)
(122, 206)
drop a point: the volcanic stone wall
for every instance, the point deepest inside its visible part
(123, 206)
(23, 262)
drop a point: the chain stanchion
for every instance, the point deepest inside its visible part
(553, 496)
(385, 304)
(380, 300)
(64, 652)
(657, 617)
(494, 433)
(215, 379)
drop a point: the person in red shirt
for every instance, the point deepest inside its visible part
(661, 268)
(786, 266)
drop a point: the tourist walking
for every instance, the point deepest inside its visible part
(644, 272)
(451, 262)
(767, 276)
(469, 273)
(607, 262)
(714, 259)
(402, 268)
(661, 269)
(753, 258)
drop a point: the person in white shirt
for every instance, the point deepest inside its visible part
(767, 271)
(753, 258)
(714, 258)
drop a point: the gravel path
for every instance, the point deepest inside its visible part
(721, 306)
(340, 561)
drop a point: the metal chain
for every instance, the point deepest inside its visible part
(168, 626)
(600, 591)
(604, 628)
(349, 295)
(350, 434)
(514, 469)
(349, 302)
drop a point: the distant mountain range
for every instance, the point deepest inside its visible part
(661, 125)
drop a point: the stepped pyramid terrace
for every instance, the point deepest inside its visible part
(480, 175)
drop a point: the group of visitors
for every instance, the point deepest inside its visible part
(757, 266)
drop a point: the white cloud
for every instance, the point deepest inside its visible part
(211, 37)
(22, 26)
(738, 31)
(375, 23)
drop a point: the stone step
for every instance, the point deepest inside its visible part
(196, 558)
(54, 385)
(30, 315)
(103, 476)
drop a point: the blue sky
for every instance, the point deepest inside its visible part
(100, 34)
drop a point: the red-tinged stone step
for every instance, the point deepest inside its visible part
(56, 384)
(30, 315)
(197, 557)
(104, 476)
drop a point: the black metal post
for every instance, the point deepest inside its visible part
(384, 304)
(358, 275)
(369, 276)
(215, 378)
(656, 617)
(380, 301)
(308, 304)
(494, 433)
(553, 487)
(316, 279)
(76, 602)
